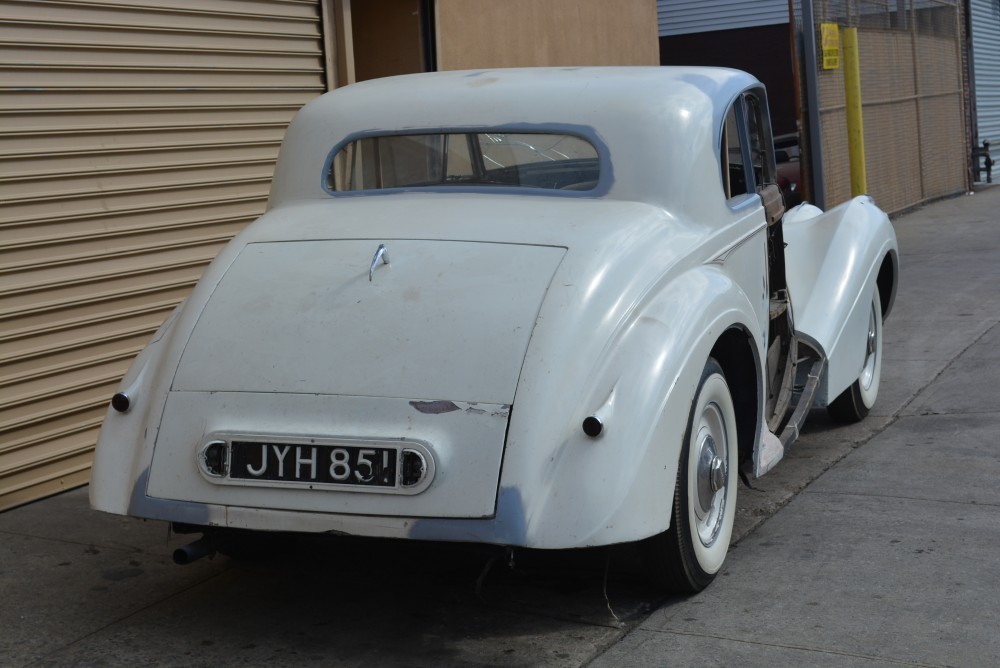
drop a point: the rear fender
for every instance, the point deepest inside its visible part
(125, 444)
(642, 388)
(118, 459)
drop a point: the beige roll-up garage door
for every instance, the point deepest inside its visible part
(135, 140)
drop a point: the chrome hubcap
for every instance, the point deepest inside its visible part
(868, 371)
(712, 475)
(717, 475)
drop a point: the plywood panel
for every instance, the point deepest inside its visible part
(914, 126)
(524, 33)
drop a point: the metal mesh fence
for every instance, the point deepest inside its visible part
(912, 100)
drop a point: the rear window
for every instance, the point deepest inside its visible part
(520, 160)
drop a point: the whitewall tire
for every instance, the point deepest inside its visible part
(855, 402)
(687, 557)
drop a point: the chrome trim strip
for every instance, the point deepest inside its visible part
(724, 255)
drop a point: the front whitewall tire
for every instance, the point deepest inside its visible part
(855, 402)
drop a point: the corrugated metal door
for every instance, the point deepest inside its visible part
(683, 17)
(135, 140)
(985, 16)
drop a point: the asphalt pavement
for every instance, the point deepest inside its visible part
(889, 557)
(869, 545)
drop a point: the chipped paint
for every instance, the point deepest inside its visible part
(508, 526)
(435, 407)
(471, 408)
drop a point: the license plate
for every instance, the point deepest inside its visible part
(314, 463)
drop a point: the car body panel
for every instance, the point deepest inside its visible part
(465, 442)
(517, 312)
(624, 329)
(406, 332)
(612, 107)
(832, 263)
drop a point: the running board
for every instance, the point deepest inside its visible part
(805, 402)
(773, 448)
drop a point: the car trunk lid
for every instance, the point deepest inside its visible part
(440, 320)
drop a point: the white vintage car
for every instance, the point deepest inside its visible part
(549, 308)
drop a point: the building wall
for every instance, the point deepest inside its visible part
(521, 33)
(985, 20)
(136, 139)
(912, 103)
(138, 136)
(771, 61)
(387, 38)
(911, 77)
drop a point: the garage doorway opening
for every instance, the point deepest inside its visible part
(382, 38)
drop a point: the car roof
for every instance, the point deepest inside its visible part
(628, 109)
(567, 94)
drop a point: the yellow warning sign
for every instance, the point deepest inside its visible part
(830, 34)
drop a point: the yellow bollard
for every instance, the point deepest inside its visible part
(855, 126)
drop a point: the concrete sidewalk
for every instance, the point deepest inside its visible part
(890, 557)
(871, 544)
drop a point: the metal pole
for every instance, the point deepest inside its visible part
(812, 104)
(855, 124)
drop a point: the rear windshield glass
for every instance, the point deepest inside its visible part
(521, 160)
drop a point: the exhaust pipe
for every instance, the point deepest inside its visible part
(196, 550)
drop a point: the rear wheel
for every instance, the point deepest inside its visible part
(687, 557)
(855, 402)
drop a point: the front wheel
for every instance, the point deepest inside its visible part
(854, 403)
(687, 557)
